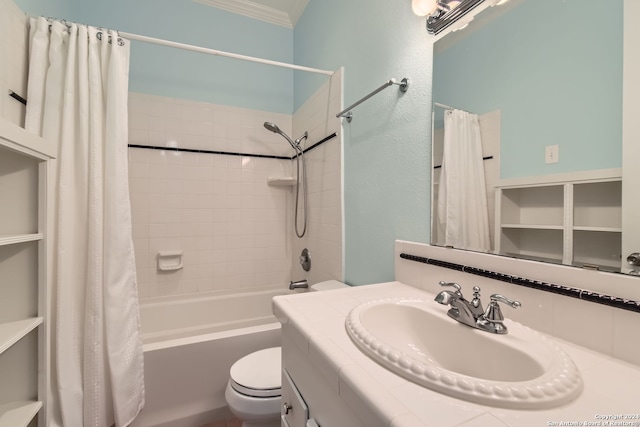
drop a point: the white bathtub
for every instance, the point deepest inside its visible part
(189, 346)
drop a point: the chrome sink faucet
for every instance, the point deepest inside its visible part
(471, 312)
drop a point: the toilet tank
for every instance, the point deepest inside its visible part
(328, 285)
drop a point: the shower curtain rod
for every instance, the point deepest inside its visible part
(447, 107)
(221, 53)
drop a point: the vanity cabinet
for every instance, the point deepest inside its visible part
(573, 219)
(24, 355)
(311, 391)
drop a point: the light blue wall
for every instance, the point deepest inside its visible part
(55, 8)
(554, 69)
(387, 146)
(175, 73)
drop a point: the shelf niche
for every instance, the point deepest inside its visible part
(573, 219)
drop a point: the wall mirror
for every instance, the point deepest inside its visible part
(545, 80)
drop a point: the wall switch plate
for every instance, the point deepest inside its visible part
(551, 154)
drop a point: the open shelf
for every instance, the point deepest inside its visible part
(533, 226)
(533, 206)
(600, 229)
(597, 248)
(20, 238)
(531, 243)
(597, 204)
(18, 414)
(11, 332)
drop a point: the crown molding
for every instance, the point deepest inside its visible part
(253, 10)
(296, 10)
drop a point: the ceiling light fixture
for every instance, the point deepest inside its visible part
(443, 13)
(424, 7)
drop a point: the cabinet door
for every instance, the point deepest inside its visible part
(630, 135)
(294, 409)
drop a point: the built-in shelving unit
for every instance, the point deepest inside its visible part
(24, 354)
(574, 219)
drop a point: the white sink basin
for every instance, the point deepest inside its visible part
(417, 340)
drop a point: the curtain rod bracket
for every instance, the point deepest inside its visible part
(404, 84)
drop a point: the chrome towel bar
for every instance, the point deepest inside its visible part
(403, 86)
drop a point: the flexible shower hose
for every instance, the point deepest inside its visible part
(300, 157)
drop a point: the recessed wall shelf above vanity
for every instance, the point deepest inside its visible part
(573, 219)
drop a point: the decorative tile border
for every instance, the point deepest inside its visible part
(555, 288)
(231, 153)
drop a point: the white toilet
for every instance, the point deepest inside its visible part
(254, 387)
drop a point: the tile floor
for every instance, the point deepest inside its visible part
(225, 423)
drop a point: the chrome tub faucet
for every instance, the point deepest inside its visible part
(299, 284)
(471, 312)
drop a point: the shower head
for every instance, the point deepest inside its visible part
(272, 127)
(275, 129)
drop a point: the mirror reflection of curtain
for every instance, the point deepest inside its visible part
(462, 220)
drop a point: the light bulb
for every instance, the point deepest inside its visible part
(423, 7)
(462, 24)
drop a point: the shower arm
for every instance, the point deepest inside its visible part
(304, 136)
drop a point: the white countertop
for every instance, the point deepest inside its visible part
(315, 321)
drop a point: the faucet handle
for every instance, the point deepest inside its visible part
(492, 319)
(493, 312)
(455, 285)
(501, 298)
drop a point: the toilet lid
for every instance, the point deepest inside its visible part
(258, 374)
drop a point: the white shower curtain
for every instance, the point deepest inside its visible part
(77, 99)
(463, 219)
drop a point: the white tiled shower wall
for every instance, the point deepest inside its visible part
(235, 231)
(218, 209)
(324, 237)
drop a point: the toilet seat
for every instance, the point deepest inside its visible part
(258, 374)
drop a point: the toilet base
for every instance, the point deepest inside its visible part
(253, 412)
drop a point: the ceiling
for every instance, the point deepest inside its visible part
(279, 12)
